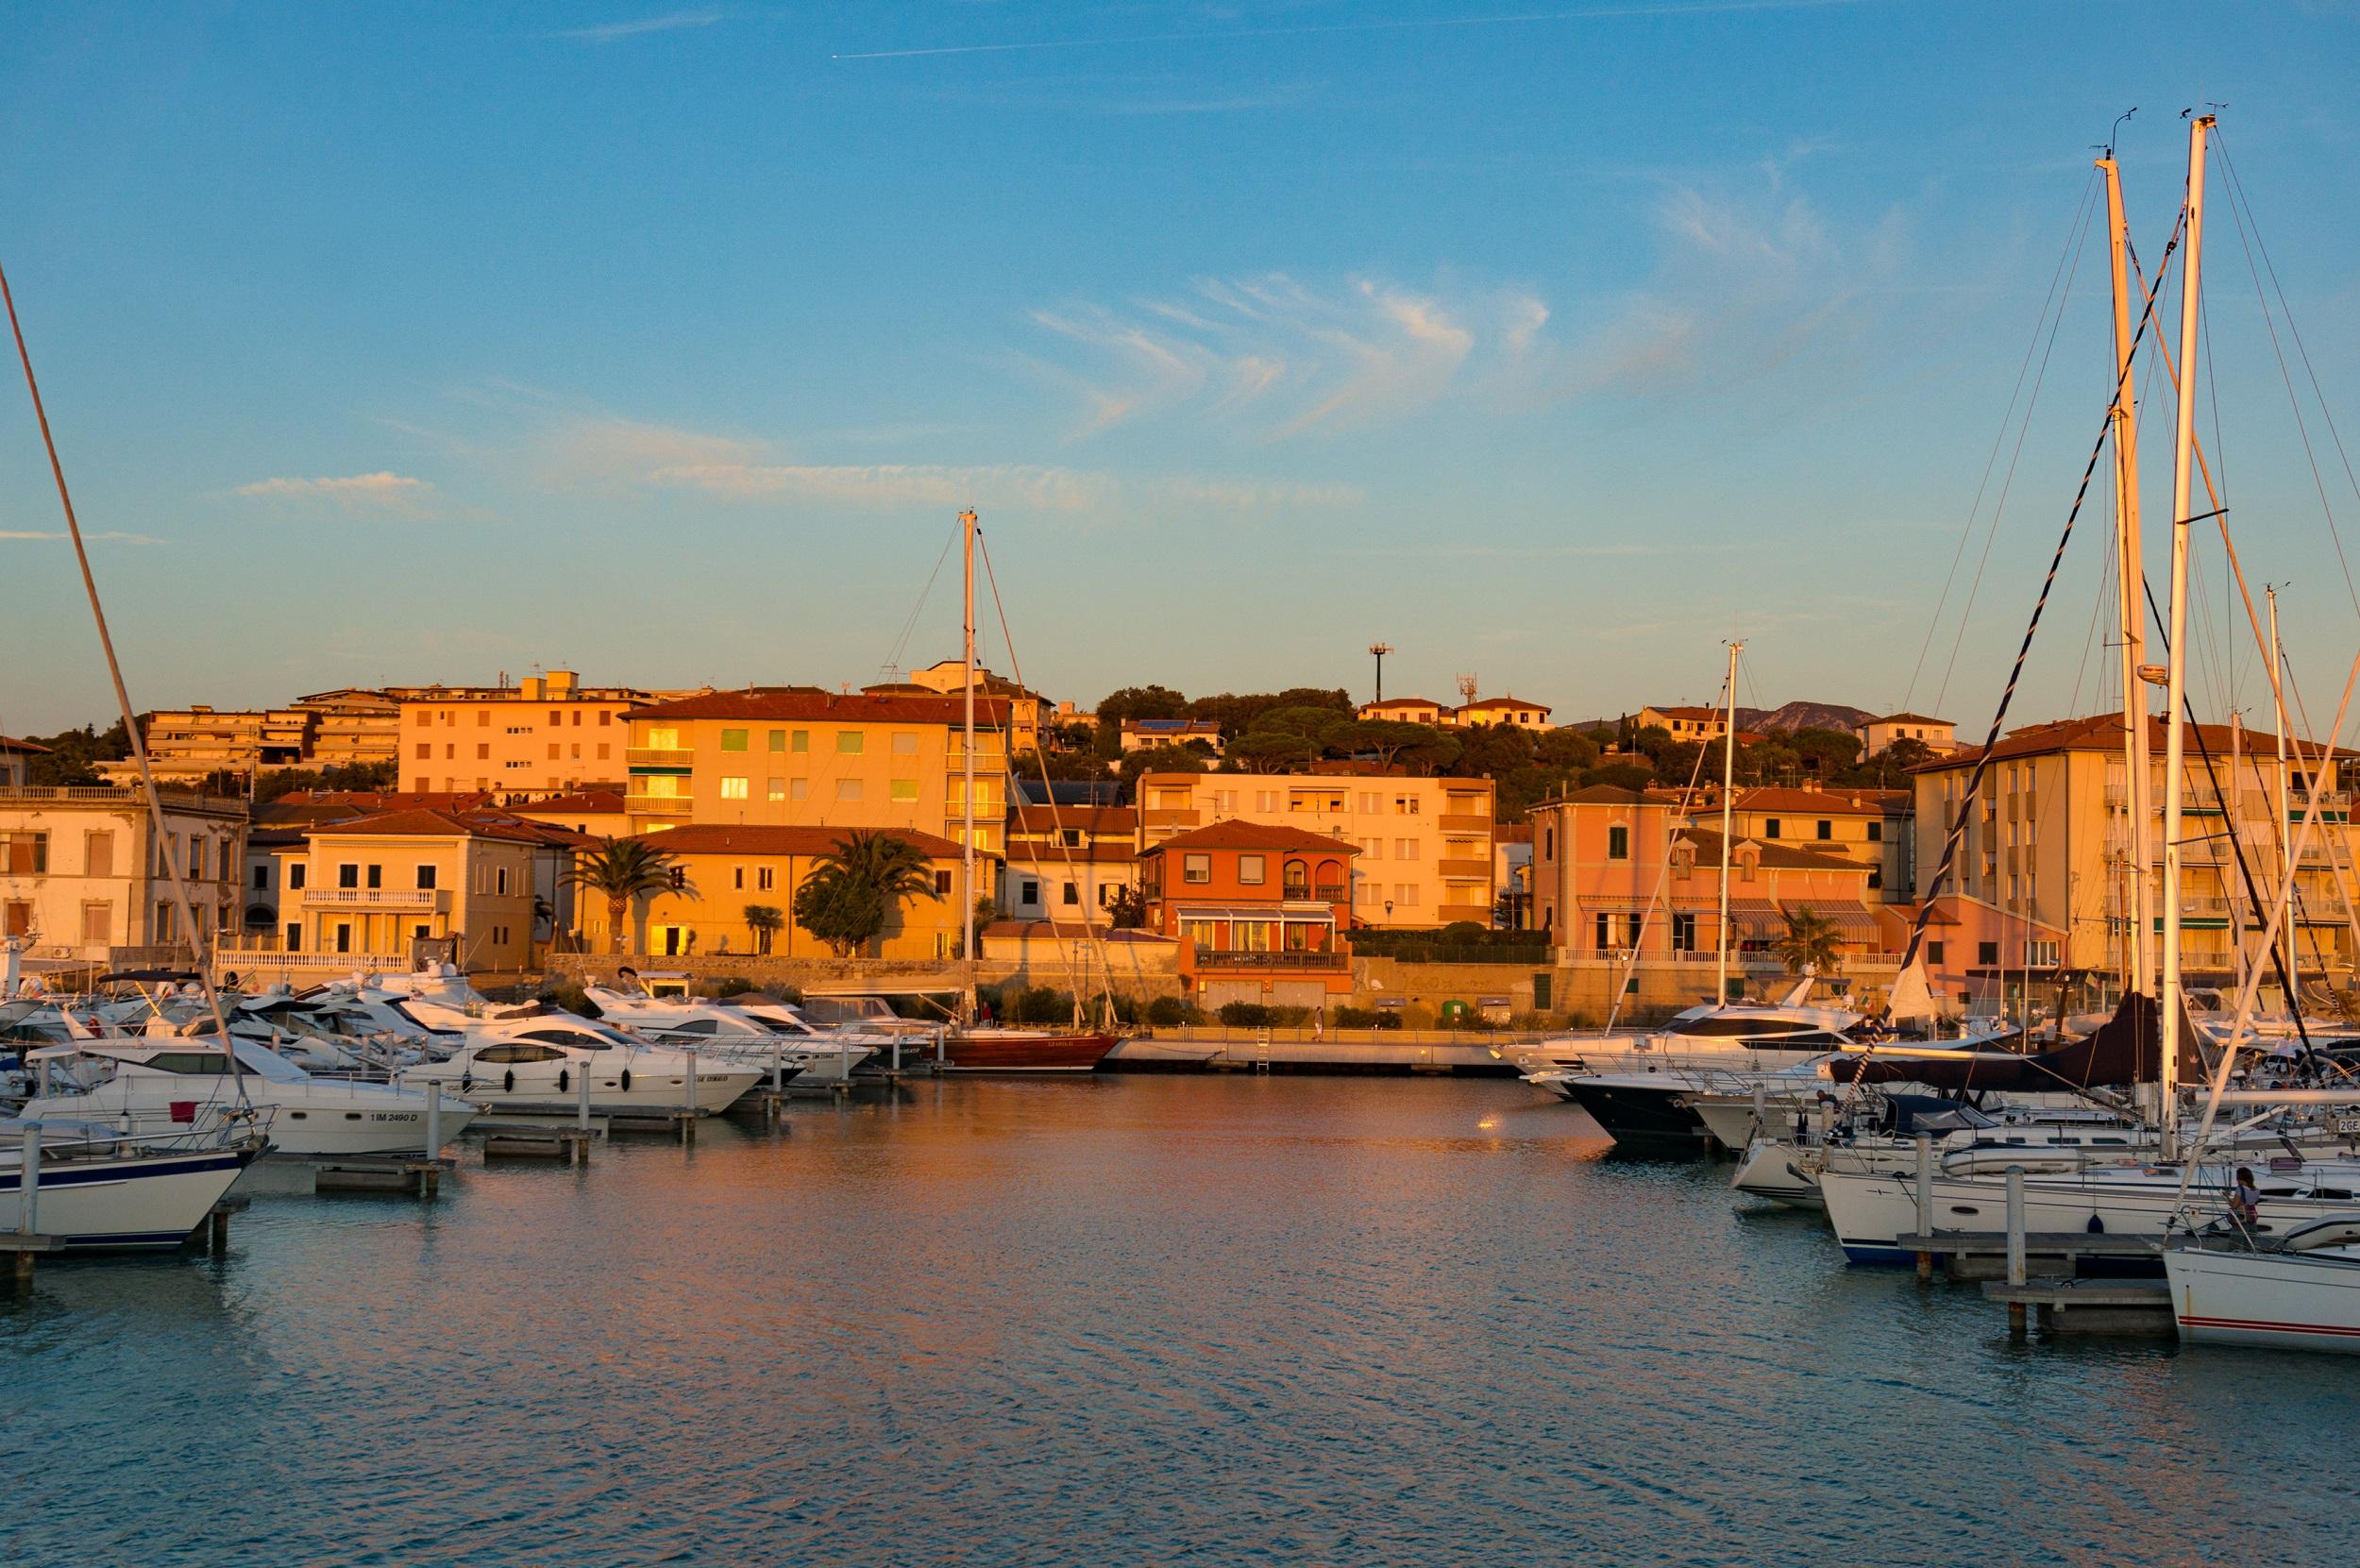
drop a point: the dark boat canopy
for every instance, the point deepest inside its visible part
(2123, 1050)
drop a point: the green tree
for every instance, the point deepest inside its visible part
(1810, 941)
(1059, 765)
(1140, 702)
(1128, 910)
(73, 755)
(855, 889)
(1388, 740)
(1487, 750)
(1270, 751)
(763, 920)
(622, 871)
(1161, 759)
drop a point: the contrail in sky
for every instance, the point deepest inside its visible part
(1590, 14)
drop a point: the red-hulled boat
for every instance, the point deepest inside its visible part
(988, 1049)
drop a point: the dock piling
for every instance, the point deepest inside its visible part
(581, 1104)
(2015, 1245)
(28, 1185)
(433, 1118)
(1925, 1200)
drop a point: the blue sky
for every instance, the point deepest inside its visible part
(663, 340)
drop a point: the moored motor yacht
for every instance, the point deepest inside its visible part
(99, 1191)
(532, 1060)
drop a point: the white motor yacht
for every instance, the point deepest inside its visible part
(140, 1085)
(747, 1031)
(532, 1060)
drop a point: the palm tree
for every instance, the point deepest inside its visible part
(762, 920)
(622, 871)
(1812, 941)
(853, 889)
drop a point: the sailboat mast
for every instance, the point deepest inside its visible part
(967, 790)
(2138, 953)
(2280, 829)
(1728, 802)
(2175, 685)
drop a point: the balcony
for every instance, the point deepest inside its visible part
(1450, 914)
(1168, 816)
(1464, 822)
(1326, 892)
(1464, 869)
(1326, 962)
(657, 805)
(659, 756)
(435, 899)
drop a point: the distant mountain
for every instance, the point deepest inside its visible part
(1801, 715)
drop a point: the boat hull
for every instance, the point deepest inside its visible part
(2286, 1301)
(1016, 1051)
(1641, 1117)
(138, 1203)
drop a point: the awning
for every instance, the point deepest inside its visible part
(1292, 913)
(1756, 917)
(1853, 919)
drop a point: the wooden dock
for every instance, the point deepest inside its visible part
(301, 1175)
(567, 1145)
(1964, 1255)
(2087, 1305)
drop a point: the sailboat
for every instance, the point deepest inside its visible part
(974, 1046)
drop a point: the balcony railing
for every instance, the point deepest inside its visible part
(436, 899)
(123, 794)
(657, 805)
(1326, 892)
(1464, 822)
(659, 756)
(1463, 868)
(1210, 958)
(1168, 817)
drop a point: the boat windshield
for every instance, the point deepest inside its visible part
(1723, 1027)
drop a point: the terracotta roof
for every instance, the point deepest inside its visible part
(1402, 703)
(2103, 733)
(10, 743)
(719, 838)
(1102, 853)
(1905, 719)
(585, 802)
(793, 704)
(1607, 795)
(1500, 702)
(1098, 819)
(1231, 833)
(1512, 832)
(383, 800)
(421, 823)
(1775, 854)
(1770, 797)
(1691, 713)
(1073, 930)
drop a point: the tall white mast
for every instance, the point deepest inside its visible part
(967, 791)
(2138, 952)
(2280, 829)
(2175, 685)
(1728, 802)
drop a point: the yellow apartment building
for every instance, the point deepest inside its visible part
(2048, 839)
(1512, 710)
(1427, 855)
(1405, 710)
(1067, 864)
(83, 880)
(549, 734)
(361, 894)
(794, 757)
(1870, 826)
(725, 867)
(1939, 735)
(351, 726)
(1698, 724)
(597, 813)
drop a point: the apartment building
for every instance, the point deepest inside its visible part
(1871, 826)
(1512, 710)
(1261, 912)
(1405, 710)
(546, 735)
(948, 677)
(366, 892)
(83, 876)
(794, 757)
(1425, 846)
(727, 868)
(16, 760)
(1139, 733)
(1938, 735)
(2049, 840)
(1069, 864)
(189, 745)
(1698, 724)
(351, 727)
(1617, 873)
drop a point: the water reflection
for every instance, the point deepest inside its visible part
(1122, 1320)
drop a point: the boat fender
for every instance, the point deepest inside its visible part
(626, 1080)
(561, 1079)
(2096, 1225)
(507, 1081)
(466, 1082)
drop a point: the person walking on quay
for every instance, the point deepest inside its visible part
(1319, 1023)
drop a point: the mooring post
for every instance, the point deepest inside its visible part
(28, 1186)
(688, 1122)
(940, 1033)
(24, 1271)
(433, 1118)
(217, 1230)
(777, 1082)
(2015, 1245)
(582, 1102)
(1926, 1205)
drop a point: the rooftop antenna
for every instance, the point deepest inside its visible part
(1380, 650)
(1468, 686)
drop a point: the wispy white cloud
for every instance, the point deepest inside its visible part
(382, 490)
(109, 538)
(614, 32)
(1029, 486)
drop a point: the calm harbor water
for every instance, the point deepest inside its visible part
(1122, 1320)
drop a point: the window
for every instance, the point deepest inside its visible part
(1405, 895)
(606, 716)
(1987, 954)
(1405, 849)
(261, 879)
(777, 740)
(734, 786)
(2040, 955)
(798, 789)
(737, 878)
(348, 876)
(98, 922)
(1876, 832)
(483, 750)
(1825, 829)
(775, 790)
(1770, 829)
(1073, 894)
(904, 789)
(99, 855)
(1934, 953)
(1618, 843)
(377, 876)
(1876, 879)
(762, 878)
(733, 740)
(851, 743)
(499, 880)
(1683, 934)
(1029, 893)
(798, 740)
(1548, 843)
(344, 935)
(905, 743)
(426, 750)
(297, 874)
(942, 885)
(425, 877)
(1251, 869)
(848, 789)
(1602, 928)
(1196, 868)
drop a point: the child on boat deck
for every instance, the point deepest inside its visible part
(2245, 1199)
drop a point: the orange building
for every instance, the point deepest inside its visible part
(548, 735)
(1260, 911)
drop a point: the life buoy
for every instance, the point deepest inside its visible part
(562, 1080)
(507, 1081)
